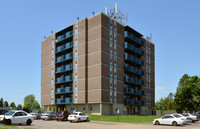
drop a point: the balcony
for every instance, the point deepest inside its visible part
(130, 102)
(132, 59)
(133, 91)
(65, 57)
(64, 79)
(133, 70)
(64, 68)
(64, 101)
(140, 103)
(64, 47)
(140, 92)
(133, 80)
(129, 57)
(131, 48)
(64, 36)
(130, 80)
(140, 82)
(139, 62)
(64, 90)
(133, 102)
(132, 38)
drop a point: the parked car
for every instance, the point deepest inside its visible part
(48, 116)
(3, 111)
(36, 114)
(25, 109)
(62, 115)
(170, 120)
(187, 119)
(191, 116)
(78, 117)
(16, 117)
(198, 115)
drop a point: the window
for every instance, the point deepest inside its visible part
(146, 77)
(146, 49)
(147, 68)
(147, 59)
(149, 51)
(149, 78)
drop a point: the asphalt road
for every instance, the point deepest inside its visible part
(40, 124)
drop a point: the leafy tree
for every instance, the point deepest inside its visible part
(187, 96)
(29, 98)
(35, 105)
(12, 105)
(6, 104)
(1, 102)
(30, 102)
(182, 80)
(27, 105)
(170, 101)
(19, 106)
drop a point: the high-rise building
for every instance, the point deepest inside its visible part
(98, 65)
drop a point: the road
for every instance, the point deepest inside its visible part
(40, 124)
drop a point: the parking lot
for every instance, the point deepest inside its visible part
(40, 124)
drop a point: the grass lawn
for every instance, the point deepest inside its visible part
(124, 118)
(2, 126)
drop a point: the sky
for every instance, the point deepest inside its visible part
(175, 28)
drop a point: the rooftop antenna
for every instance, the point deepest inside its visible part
(149, 38)
(78, 18)
(93, 13)
(116, 14)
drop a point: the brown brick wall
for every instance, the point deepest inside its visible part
(46, 55)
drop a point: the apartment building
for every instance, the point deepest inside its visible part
(99, 66)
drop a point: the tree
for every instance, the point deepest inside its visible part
(1, 102)
(6, 104)
(19, 106)
(187, 96)
(170, 101)
(30, 102)
(12, 105)
(29, 98)
(35, 105)
(182, 80)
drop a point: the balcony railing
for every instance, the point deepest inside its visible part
(130, 102)
(133, 102)
(129, 57)
(64, 79)
(63, 100)
(64, 90)
(133, 91)
(133, 38)
(64, 57)
(140, 103)
(134, 49)
(64, 68)
(64, 36)
(133, 70)
(64, 47)
(133, 59)
(133, 80)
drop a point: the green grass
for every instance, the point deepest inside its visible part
(7, 126)
(124, 118)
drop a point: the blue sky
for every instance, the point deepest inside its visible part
(174, 24)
